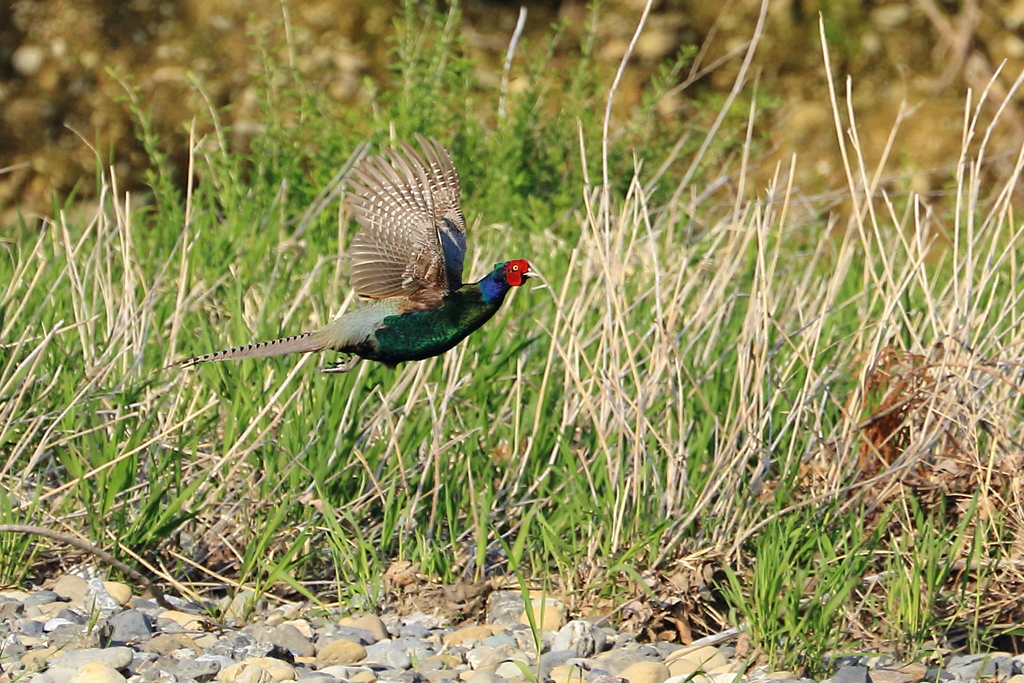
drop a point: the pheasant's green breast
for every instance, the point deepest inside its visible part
(422, 334)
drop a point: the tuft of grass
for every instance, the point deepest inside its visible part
(806, 569)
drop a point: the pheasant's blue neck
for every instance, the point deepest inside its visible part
(494, 287)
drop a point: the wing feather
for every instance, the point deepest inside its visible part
(412, 237)
(446, 190)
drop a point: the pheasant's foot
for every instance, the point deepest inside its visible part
(342, 366)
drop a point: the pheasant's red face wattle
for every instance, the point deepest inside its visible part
(516, 272)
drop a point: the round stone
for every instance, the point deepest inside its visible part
(97, 672)
(341, 651)
(387, 654)
(369, 622)
(130, 625)
(288, 636)
(27, 59)
(119, 591)
(116, 657)
(548, 614)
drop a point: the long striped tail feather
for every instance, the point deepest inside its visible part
(308, 342)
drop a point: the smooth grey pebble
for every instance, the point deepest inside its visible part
(30, 627)
(40, 598)
(851, 674)
(201, 671)
(118, 657)
(130, 625)
(413, 631)
(386, 653)
(499, 640)
(290, 637)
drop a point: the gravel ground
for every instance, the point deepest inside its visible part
(92, 631)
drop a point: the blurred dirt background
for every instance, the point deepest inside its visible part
(61, 103)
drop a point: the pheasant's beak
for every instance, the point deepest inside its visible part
(536, 276)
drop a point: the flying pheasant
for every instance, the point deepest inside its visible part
(407, 260)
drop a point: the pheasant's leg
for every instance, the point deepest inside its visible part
(342, 366)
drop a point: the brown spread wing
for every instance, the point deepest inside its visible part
(406, 206)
